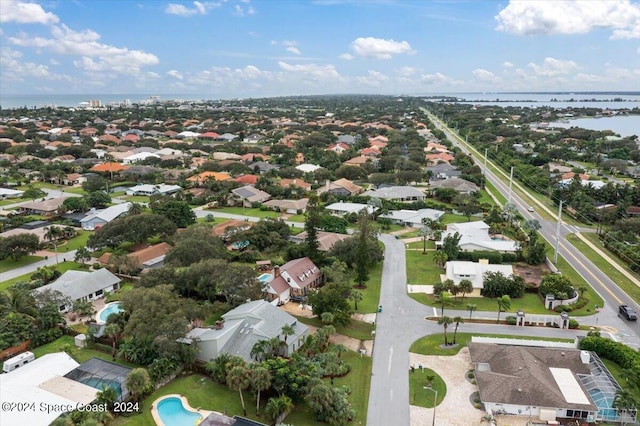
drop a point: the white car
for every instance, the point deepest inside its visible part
(530, 209)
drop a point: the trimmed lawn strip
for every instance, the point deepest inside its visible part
(296, 218)
(247, 212)
(492, 189)
(616, 276)
(137, 199)
(420, 396)
(530, 303)
(62, 267)
(485, 198)
(9, 264)
(357, 329)
(431, 245)
(616, 371)
(430, 345)
(421, 269)
(448, 218)
(80, 355)
(371, 294)
(76, 242)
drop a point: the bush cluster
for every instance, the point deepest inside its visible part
(621, 354)
(581, 303)
(493, 257)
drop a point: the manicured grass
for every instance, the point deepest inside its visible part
(62, 267)
(9, 264)
(448, 218)
(371, 294)
(616, 372)
(485, 198)
(578, 281)
(421, 268)
(39, 185)
(530, 303)
(431, 245)
(490, 188)
(75, 190)
(137, 199)
(296, 218)
(422, 397)
(81, 355)
(357, 329)
(80, 240)
(392, 228)
(430, 345)
(248, 212)
(616, 276)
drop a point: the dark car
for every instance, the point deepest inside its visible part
(627, 313)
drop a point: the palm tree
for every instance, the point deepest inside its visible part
(323, 335)
(465, 287)
(260, 380)
(287, 330)
(82, 255)
(134, 209)
(275, 344)
(138, 382)
(625, 402)
(425, 232)
(444, 298)
(19, 301)
(108, 396)
(331, 365)
(458, 321)
(112, 330)
(327, 318)
(444, 322)
(339, 349)
(440, 257)
(471, 307)
(238, 379)
(277, 406)
(504, 304)
(217, 367)
(259, 350)
(631, 378)
(356, 296)
(52, 234)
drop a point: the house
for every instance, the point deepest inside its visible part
(253, 138)
(44, 208)
(475, 236)
(299, 183)
(360, 160)
(308, 168)
(82, 286)
(228, 137)
(443, 171)
(6, 193)
(229, 227)
(396, 193)
(340, 187)
(326, 240)
(439, 157)
(288, 206)
(412, 218)
(148, 189)
(347, 139)
(247, 179)
(209, 135)
(546, 382)
(205, 176)
(458, 270)
(262, 167)
(139, 156)
(242, 327)
(97, 219)
(150, 257)
(461, 186)
(293, 280)
(109, 167)
(338, 148)
(342, 208)
(248, 195)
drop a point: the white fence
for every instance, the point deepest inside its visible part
(524, 342)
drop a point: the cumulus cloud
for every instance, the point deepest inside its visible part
(507, 64)
(175, 74)
(437, 78)
(552, 67)
(241, 11)
(16, 70)
(484, 75)
(379, 48)
(294, 50)
(199, 8)
(346, 56)
(25, 13)
(406, 71)
(95, 56)
(311, 70)
(372, 79)
(570, 17)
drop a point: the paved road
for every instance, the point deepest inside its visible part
(30, 268)
(629, 332)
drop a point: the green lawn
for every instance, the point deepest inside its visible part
(62, 267)
(490, 188)
(248, 212)
(392, 228)
(430, 345)
(421, 268)
(81, 355)
(422, 397)
(431, 245)
(371, 294)
(616, 371)
(485, 198)
(80, 240)
(9, 264)
(357, 329)
(448, 218)
(616, 276)
(137, 199)
(296, 218)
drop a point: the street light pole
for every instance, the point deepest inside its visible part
(435, 402)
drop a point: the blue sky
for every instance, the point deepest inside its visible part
(250, 48)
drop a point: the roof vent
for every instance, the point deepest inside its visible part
(562, 353)
(519, 389)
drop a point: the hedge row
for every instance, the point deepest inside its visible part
(621, 354)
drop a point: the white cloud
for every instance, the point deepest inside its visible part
(294, 50)
(95, 56)
(240, 11)
(319, 72)
(552, 67)
(175, 74)
(379, 48)
(372, 79)
(199, 8)
(570, 17)
(346, 56)
(291, 46)
(15, 70)
(406, 71)
(25, 13)
(484, 75)
(507, 64)
(437, 78)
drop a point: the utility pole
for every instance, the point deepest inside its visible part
(555, 254)
(484, 172)
(510, 182)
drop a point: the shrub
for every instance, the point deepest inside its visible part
(511, 320)
(558, 285)
(623, 355)
(573, 323)
(470, 374)
(580, 303)
(96, 265)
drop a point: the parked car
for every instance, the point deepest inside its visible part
(628, 313)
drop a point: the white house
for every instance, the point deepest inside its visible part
(397, 193)
(82, 285)
(458, 270)
(475, 236)
(412, 218)
(243, 327)
(342, 208)
(98, 219)
(10, 193)
(147, 189)
(139, 156)
(308, 168)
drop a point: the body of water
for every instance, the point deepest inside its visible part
(626, 125)
(609, 100)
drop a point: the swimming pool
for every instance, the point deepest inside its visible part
(172, 412)
(109, 308)
(98, 383)
(265, 278)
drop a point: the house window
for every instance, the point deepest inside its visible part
(99, 293)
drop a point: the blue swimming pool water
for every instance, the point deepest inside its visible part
(265, 278)
(173, 413)
(98, 383)
(110, 308)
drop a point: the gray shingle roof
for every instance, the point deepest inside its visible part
(78, 284)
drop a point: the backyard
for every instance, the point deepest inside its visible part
(62, 267)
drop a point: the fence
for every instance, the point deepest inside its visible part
(524, 342)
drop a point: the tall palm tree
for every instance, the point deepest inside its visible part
(134, 209)
(504, 304)
(138, 382)
(440, 257)
(339, 349)
(277, 406)
(444, 322)
(238, 379)
(260, 380)
(259, 350)
(112, 330)
(625, 402)
(217, 367)
(458, 321)
(465, 287)
(331, 365)
(287, 330)
(276, 345)
(471, 307)
(444, 299)
(52, 234)
(19, 301)
(327, 318)
(356, 296)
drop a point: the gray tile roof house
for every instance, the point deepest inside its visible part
(460, 185)
(99, 218)
(249, 194)
(443, 171)
(398, 193)
(243, 327)
(82, 285)
(412, 218)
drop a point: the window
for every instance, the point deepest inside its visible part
(99, 293)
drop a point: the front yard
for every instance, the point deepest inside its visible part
(421, 269)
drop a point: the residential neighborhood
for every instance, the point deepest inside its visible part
(316, 261)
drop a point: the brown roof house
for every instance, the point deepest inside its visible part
(293, 280)
(326, 240)
(459, 185)
(340, 187)
(247, 195)
(45, 208)
(150, 257)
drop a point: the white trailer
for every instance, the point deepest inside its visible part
(18, 361)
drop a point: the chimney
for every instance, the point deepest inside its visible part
(219, 325)
(585, 357)
(328, 184)
(276, 271)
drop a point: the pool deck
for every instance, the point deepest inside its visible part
(185, 404)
